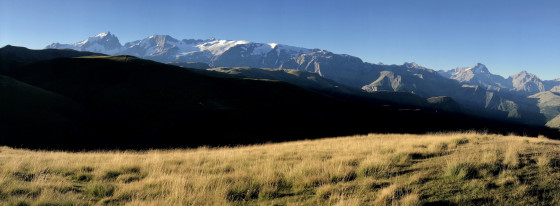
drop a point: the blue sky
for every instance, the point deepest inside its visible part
(507, 36)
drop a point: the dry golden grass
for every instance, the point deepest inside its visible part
(376, 169)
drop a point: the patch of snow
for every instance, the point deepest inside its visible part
(218, 47)
(262, 49)
(101, 35)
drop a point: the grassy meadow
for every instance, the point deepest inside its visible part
(376, 169)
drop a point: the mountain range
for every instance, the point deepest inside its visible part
(522, 83)
(216, 53)
(474, 87)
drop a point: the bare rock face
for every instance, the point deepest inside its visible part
(477, 75)
(527, 83)
(342, 68)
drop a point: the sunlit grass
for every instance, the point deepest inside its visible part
(377, 169)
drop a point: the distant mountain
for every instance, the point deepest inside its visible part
(106, 43)
(526, 83)
(520, 84)
(477, 75)
(411, 77)
(425, 82)
(342, 68)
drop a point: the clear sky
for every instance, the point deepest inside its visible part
(507, 36)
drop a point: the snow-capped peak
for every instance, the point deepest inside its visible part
(101, 35)
(106, 43)
(479, 69)
(218, 47)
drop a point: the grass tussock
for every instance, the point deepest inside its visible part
(392, 169)
(462, 170)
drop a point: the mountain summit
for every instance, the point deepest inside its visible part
(526, 82)
(106, 43)
(479, 69)
(477, 75)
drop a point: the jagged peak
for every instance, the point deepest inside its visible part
(410, 64)
(480, 68)
(160, 36)
(104, 34)
(524, 74)
(413, 65)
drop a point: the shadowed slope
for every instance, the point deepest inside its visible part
(37, 116)
(135, 103)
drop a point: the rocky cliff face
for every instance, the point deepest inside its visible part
(521, 84)
(477, 75)
(526, 83)
(345, 69)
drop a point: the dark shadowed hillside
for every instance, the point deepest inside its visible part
(126, 102)
(33, 114)
(14, 56)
